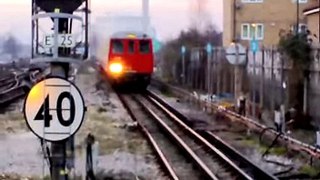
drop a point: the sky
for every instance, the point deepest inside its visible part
(168, 17)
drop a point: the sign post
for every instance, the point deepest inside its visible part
(236, 54)
(183, 51)
(56, 44)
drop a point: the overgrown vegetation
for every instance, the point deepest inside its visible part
(297, 47)
(296, 51)
(11, 46)
(311, 171)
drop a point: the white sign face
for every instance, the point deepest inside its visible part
(235, 50)
(54, 109)
(64, 40)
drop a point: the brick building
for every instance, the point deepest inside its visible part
(263, 20)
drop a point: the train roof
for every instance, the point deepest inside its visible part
(138, 35)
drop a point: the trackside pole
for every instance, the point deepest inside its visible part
(59, 54)
(58, 149)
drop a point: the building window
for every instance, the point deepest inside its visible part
(245, 31)
(300, 1)
(259, 31)
(252, 1)
(301, 29)
(250, 31)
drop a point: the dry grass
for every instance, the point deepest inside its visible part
(112, 134)
(12, 121)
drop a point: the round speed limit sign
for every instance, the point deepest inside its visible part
(54, 109)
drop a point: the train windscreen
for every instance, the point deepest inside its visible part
(117, 46)
(131, 46)
(144, 46)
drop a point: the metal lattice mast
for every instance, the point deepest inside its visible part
(59, 58)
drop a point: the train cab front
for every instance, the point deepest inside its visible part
(120, 74)
(130, 61)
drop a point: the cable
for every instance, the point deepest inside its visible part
(46, 154)
(272, 144)
(263, 131)
(290, 167)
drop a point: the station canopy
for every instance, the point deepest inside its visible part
(66, 6)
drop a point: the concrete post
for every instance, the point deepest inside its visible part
(237, 76)
(218, 66)
(272, 79)
(262, 80)
(183, 69)
(254, 87)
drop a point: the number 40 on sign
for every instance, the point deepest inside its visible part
(54, 109)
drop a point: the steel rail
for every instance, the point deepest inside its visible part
(197, 160)
(163, 160)
(248, 169)
(213, 150)
(286, 139)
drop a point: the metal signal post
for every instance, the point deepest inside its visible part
(60, 45)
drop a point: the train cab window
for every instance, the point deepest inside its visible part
(131, 47)
(144, 46)
(117, 46)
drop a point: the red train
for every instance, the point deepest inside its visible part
(130, 59)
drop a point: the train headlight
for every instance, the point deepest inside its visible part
(116, 68)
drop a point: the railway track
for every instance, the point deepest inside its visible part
(15, 85)
(183, 152)
(286, 139)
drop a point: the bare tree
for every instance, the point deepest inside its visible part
(171, 58)
(11, 46)
(200, 16)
